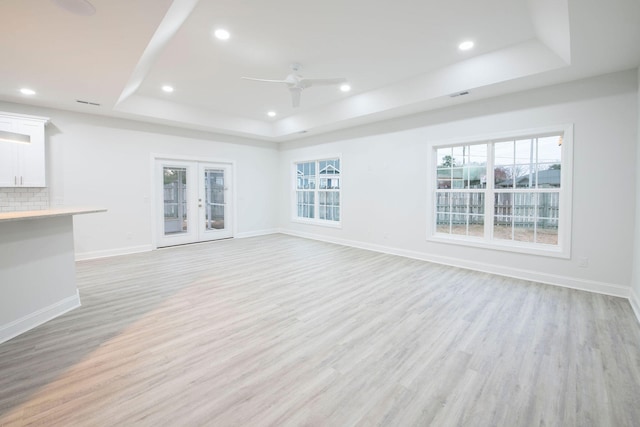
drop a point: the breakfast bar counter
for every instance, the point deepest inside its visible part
(47, 213)
(37, 267)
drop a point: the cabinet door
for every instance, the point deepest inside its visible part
(31, 159)
(8, 156)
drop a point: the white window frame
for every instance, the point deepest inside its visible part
(294, 199)
(562, 250)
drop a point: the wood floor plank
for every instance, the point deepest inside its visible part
(283, 331)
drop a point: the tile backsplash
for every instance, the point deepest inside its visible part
(23, 199)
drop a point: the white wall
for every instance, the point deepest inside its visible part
(385, 172)
(635, 284)
(106, 162)
(101, 161)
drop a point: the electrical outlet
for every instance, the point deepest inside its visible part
(583, 262)
(129, 236)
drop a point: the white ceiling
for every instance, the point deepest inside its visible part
(400, 57)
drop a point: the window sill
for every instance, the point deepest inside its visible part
(508, 246)
(319, 222)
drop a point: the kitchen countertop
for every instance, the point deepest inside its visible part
(48, 213)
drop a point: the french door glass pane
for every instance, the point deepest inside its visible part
(214, 199)
(175, 200)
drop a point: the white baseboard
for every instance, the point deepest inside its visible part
(534, 276)
(83, 256)
(38, 317)
(113, 252)
(246, 234)
(634, 299)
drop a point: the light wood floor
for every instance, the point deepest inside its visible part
(282, 331)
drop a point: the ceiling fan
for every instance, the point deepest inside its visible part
(296, 83)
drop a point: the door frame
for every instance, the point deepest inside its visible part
(153, 199)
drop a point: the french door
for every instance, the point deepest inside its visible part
(193, 202)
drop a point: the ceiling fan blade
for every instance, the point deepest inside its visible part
(295, 96)
(265, 80)
(322, 82)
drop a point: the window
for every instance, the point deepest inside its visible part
(508, 193)
(317, 191)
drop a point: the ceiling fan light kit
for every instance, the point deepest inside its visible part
(296, 83)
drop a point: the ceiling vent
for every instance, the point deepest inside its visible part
(455, 95)
(80, 101)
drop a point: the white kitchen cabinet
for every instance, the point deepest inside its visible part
(22, 154)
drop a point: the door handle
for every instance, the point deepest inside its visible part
(15, 180)
(21, 179)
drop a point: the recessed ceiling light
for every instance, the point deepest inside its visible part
(345, 87)
(222, 34)
(167, 88)
(271, 114)
(27, 91)
(465, 45)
